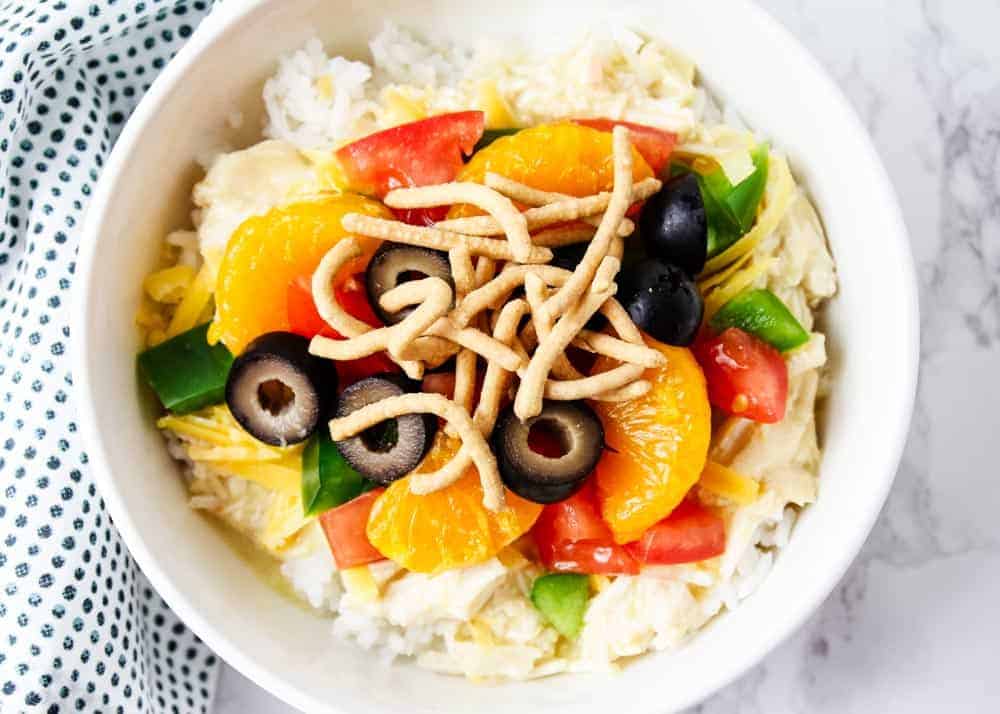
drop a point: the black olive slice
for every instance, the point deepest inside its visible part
(277, 391)
(664, 301)
(548, 457)
(568, 256)
(394, 264)
(393, 448)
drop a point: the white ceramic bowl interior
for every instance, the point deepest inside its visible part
(144, 193)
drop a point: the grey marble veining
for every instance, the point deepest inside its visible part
(914, 626)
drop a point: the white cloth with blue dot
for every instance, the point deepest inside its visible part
(81, 630)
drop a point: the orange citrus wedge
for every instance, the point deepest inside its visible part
(447, 529)
(267, 252)
(563, 157)
(658, 445)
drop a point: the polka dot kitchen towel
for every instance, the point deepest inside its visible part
(80, 628)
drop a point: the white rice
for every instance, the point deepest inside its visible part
(479, 621)
(316, 101)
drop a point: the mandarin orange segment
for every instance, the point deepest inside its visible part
(563, 157)
(659, 444)
(447, 529)
(267, 252)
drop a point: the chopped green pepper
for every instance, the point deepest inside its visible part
(740, 202)
(186, 372)
(745, 197)
(327, 479)
(491, 135)
(722, 230)
(731, 210)
(562, 599)
(761, 313)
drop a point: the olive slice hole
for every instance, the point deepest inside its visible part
(408, 276)
(549, 438)
(393, 447)
(381, 438)
(548, 457)
(279, 392)
(394, 264)
(275, 397)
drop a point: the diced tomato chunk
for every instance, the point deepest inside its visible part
(345, 526)
(571, 537)
(421, 216)
(304, 319)
(354, 370)
(352, 296)
(746, 377)
(654, 145)
(421, 153)
(442, 383)
(576, 518)
(591, 557)
(689, 534)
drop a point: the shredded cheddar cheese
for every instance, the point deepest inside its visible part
(324, 86)
(359, 583)
(736, 284)
(482, 634)
(512, 558)
(598, 583)
(284, 521)
(170, 284)
(401, 109)
(499, 114)
(723, 481)
(713, 281)
(212, 435)
(192, 306)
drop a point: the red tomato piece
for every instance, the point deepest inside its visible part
(421, 216)
(353, 297)
(576, 518)
(591, 557)
(571, 537)
(344, 527)
(442, 383)
(351, 371)
(689, 534)
(305, 320)
(421, 153)
(655, 145)
(746, 376)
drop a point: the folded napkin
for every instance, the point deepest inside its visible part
(80, 627)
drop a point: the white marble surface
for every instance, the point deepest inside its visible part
(914, 627)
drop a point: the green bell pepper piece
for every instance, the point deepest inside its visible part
(739, 202)
(327, 479)
(722, 230)
(562, 599)
(731, 210)
(745, 197)
(761, 313)
(186, 372)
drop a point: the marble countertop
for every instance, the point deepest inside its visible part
(912, 627)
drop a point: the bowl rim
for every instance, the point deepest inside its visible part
(215, 26)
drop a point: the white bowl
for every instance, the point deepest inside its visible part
(144, 192)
